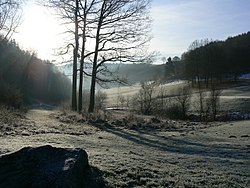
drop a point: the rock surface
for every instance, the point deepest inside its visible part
(44, 166)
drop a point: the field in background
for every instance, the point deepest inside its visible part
(130, 91)
(235, 98)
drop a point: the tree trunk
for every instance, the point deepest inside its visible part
(92, 91)
(94, 70)
(80, 93)
(82, 63)
(74, 84)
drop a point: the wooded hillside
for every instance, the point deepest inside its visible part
(26, 79)
(218, 60)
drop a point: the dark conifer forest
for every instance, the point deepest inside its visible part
(205, 60)
(218, 60)
(26, 79)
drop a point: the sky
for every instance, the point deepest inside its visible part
(176, 24)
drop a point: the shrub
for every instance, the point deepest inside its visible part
(214, 101)
(100, 100)
(183, 100)
(143, 100)
(10, 95)
(174, 112)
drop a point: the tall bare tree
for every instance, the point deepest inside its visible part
(84, 18)
(87, 9)
(68, 12)
(121, 28)
(117, 28)
(10, 15)
(75, 54)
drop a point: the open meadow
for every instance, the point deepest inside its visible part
(127, 150)
(234, 98)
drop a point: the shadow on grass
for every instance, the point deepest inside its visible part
(94, 177)
(179, 145)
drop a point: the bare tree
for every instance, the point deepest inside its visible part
(121, 100)
(84, 18)
(121, 28)
(100, 97)
(183, 99)
(69, 13)
(161, 99)
(117, 28)
(214, 100)
(10, 15)
(144, 98)
(200, 105)
(75, 54)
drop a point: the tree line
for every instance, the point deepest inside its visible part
(26, 79)
(211, 61)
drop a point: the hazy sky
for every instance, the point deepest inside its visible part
(176, 24)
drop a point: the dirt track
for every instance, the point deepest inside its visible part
(215, 156)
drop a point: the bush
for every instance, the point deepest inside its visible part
(183, 100)
(208, 103)
(100, 100)
(11, 96)
(143, 100)
(213, 101)
(174, 112)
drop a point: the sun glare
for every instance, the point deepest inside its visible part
(39, 32)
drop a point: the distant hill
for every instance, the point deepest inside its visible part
(139, 72)
(133, 73)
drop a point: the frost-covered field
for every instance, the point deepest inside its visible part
(129, 150)
(176, 154)
(232, 99)
(130, 91)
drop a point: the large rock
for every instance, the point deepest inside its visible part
(43, 167)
